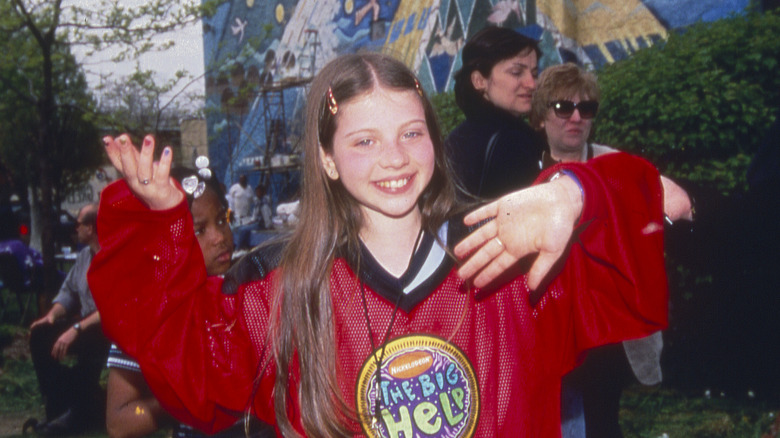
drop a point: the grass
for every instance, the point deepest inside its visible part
(645, 412)
(666, 412)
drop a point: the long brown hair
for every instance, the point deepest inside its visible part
(330, 220)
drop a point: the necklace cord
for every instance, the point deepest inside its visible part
(378, 361)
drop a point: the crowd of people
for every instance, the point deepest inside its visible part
(508, 280)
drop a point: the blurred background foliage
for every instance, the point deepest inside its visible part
(696, 105)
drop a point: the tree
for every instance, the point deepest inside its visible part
(138, 105)
(697, 104)
(52, 28)
(76, 152)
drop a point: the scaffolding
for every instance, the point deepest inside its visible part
(271, 95)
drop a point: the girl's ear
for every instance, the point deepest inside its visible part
(478, 81)
(329, 165)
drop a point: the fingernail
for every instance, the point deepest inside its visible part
(106, 140)
(167, 151)
(122, 140)
(147, 141)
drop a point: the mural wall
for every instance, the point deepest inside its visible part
(261, 54)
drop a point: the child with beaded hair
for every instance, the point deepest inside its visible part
(374, 322)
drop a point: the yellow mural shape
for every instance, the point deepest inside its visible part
(407, 47)
(597, 22)
(349, 6)
(279, 13)
(250, 3)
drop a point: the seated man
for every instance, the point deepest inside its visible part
(71, 327)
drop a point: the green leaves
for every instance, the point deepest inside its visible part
(448, 112)
(704, 96)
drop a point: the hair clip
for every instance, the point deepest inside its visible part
(332, 105)
(192, 184)
(202, 163)
(418, 87)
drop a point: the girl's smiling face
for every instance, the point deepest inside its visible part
(382, 152)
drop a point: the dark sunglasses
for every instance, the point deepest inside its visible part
(565, 108)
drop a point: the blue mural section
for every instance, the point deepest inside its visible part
(675, 14)
(261, 54)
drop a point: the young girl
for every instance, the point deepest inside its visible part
(132, 410)
(366, 326)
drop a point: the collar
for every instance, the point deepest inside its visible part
(548, 161)
(429, 267)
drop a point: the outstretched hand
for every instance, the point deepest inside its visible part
(539, 220)
(149, 180)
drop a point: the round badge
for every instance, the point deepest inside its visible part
(427, 388)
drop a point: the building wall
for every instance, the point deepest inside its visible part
(194, 141)
(260, 54)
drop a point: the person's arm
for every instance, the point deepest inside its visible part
(157, 304)
(614, 265)
(131, 408)
(56, 312)
(66, 301)
(66, 339)
(677, 202)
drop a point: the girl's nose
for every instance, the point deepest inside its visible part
(394, 154)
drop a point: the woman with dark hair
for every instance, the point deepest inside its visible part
(494, 151)
(374, 322)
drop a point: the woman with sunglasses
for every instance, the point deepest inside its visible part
(564, 105)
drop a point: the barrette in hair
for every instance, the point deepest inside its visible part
(418, 87)
(192, 184)
(332, 105)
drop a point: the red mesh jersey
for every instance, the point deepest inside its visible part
(459, 364)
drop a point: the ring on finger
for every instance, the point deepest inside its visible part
(499, 242)
(145, 181)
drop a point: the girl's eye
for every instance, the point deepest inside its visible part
(364, 142)
(199, 231)
(412, 134)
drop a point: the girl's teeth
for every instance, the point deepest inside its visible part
(395, 183)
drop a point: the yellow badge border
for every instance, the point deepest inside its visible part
(407, 342)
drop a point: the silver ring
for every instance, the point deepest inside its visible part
(145, 182)
(499, 242)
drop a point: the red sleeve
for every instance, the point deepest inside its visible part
(616, 265)
(149, 283)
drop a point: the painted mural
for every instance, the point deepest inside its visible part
(261, 54)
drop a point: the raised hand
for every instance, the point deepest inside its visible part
(149, 180)
(539, 220)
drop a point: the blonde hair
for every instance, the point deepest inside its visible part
(561, 82)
